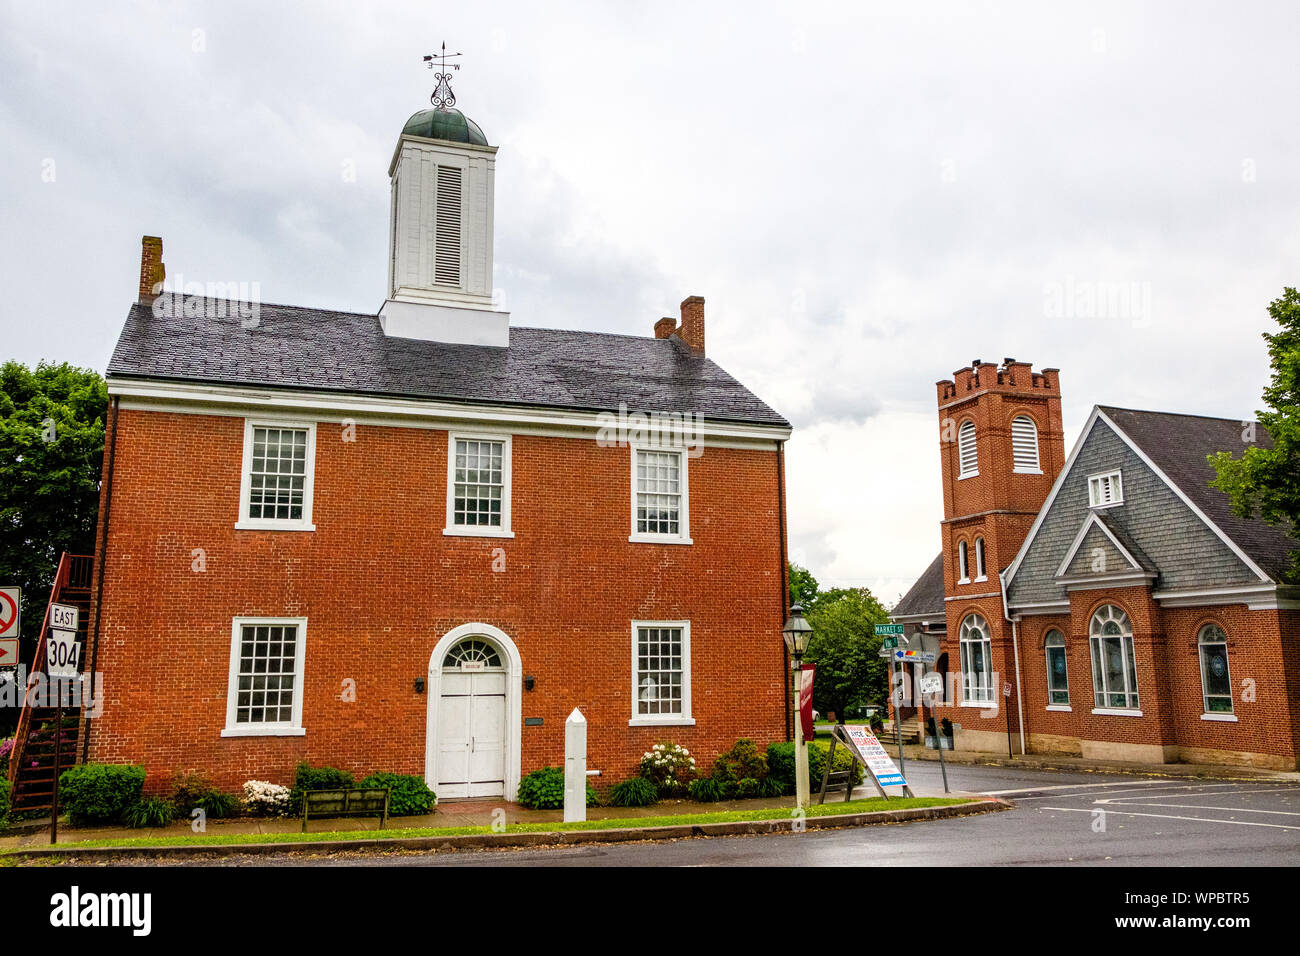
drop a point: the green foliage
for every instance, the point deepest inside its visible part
(803, 586)
(1263, 481)
(544, 790)
(99, 792)
(748, 787)
(846, 651)
(705, 790)
(670, 767)
(51, 457)
(410, 795)
(307, 777)
(742, 761)
(149, 812)
(193, 790)
(634, 792)
(4, 802)
(780, 762)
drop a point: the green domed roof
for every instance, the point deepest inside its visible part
(451, 125)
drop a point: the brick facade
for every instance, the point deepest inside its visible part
(380, 584)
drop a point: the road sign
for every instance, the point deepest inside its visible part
(931, 684)
(873, 755)
(886, 652)
(891, 641)
(11, 600)
(913, 657)
(9, 652)
(62, 652)
(888, 629)
(63, 617)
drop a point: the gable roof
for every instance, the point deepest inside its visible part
(1123, 544)
(1180, 446)
(320, 350)
(925, 597)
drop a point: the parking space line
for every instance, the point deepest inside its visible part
(1193, 806)
(1066, 786)
(1169, 816)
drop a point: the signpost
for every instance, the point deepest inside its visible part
(913, 657)
(931, 690)
(1006, 693)
(62, 652)
(11, 602)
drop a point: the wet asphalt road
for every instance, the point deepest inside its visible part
(1087, 819)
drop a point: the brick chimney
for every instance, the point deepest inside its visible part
(664, 327)
(152, 270)
(692, 329)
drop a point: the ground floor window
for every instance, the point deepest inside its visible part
(1058, 680)
(1114, 673)
(1216, 683)
(266, 663)
(976, 660)
(661, 671)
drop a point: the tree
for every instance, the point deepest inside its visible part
(51, 455)
(803, 586)
(844, 646)
(1265, 482)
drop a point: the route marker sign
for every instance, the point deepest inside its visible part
(62, 649)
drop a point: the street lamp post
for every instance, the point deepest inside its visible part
(796, 633)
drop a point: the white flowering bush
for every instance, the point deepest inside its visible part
(670, 767)
(266, 799)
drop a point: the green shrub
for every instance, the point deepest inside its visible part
(742, 761)
(748, 787)
(634, 792)
(410, 795)
(669, 766)
(191, 790)
(149, 812)
(100, 792)
(780, 763)
(705, 790)
(544, 790)
(4, 802)
(306, 777)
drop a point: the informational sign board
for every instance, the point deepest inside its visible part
(9, 652)
(931, 684)
(872, 753)
(63, 617)
(913, 657)
(11, 600)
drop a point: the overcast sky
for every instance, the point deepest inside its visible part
(868, 195)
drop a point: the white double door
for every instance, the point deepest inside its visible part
(471, 734)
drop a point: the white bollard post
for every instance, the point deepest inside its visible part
(575, 767)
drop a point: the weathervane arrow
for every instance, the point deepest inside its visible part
(443, 98)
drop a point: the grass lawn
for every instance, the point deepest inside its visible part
(729, 816)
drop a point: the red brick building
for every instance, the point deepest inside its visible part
(414, 541)
(1106, 604)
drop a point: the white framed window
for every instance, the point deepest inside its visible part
(967, 453)
(980, 573)
(1024, 446)
(264, 694)
(478, 485)
(1058, 677)
(660, 496)
(277, 476)
(976, 660)
(1216, 681)
(963, 563)
(661, 673)
(1114, 673)
(1105, 490)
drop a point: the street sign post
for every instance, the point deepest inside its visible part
(9, 652)
(932, 690)
(882, 629)
(62, 654)
(11, 602)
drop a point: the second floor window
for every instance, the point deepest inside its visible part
(967, 452)
(1105, 490)
(478, 485)
(659, 496)
(276, 484)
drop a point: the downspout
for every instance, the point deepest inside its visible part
(101, 559)
(785, 585)
(1015, 649)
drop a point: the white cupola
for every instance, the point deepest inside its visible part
(440, 232)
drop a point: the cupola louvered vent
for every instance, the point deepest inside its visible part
(1024, 445)
(446, 267)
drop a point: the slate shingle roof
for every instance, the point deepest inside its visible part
(926, 595)
(346, 352)
(1180, 445)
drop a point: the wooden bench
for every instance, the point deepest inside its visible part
(354, 802)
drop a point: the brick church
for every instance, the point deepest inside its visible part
(415, 540)
(1107, 603)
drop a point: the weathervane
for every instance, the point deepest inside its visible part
(443, 98)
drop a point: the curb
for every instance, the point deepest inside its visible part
(498, 840)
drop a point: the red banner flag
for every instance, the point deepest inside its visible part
(805, 700)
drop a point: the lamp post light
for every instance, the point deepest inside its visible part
(796, 633)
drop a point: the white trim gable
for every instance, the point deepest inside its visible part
(1092, 521)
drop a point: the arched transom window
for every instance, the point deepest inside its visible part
(472, 654)
(1114, 673)
(1216, 682)
(976, 660)
(1058, 678)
